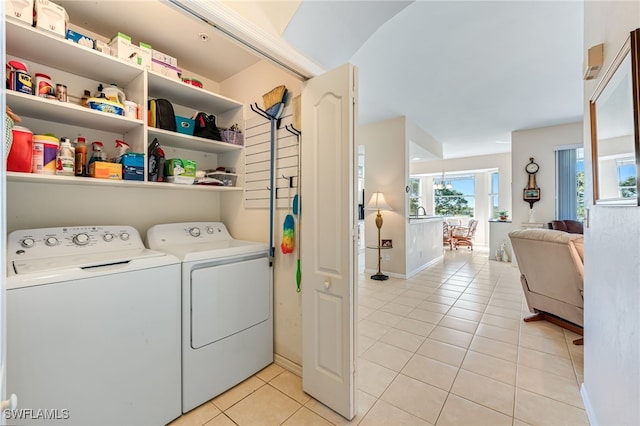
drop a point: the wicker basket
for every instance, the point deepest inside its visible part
(233, 137)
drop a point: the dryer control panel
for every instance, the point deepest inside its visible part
(187, 233)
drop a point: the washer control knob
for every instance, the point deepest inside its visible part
(51, 241)
(209, 230)
(81, 239)
(194, 232)
(28, 242)
(124, 236)
(108, 237)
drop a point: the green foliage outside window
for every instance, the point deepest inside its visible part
(414, 195)
(628, 187)
(449, 202)
(580, 189)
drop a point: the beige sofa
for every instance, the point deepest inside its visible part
(552, 273)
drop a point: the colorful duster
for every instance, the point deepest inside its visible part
(288, 235)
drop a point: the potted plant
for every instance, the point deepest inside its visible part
(502, 214)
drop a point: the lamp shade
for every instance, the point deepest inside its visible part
(377, 201)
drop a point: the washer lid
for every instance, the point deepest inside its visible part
(80, 261)
(215, 250)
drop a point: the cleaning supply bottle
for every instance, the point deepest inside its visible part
(96, 154)
(122, 148)
(65, 161)
(114, 93)
(81, 157)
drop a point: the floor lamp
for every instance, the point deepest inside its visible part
(377, 202)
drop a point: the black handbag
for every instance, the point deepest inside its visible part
(205, 126)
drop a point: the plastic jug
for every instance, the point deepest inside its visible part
(21, 154)
(114, 93)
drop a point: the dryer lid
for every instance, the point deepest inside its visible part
(215, 250)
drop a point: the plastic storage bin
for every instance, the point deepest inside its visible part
(233, 137)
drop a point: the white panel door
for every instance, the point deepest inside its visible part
(328, 240)
(3, 240)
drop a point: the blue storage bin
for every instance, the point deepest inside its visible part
(184, 125)
(133, 166)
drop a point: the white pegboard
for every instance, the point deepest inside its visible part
(257, 162)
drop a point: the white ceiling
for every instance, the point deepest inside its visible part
(467, 72)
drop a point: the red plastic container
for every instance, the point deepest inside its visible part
(21, 153)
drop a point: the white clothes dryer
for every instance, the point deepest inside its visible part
(227, 306)
(93, 328)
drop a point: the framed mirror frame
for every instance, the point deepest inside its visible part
(631, 50)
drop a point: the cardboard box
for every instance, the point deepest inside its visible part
(121, 47)
(166, 70)
(21, 10)
(50, 17)
(104, 170)
(178, 170)
(185, 125)
(145, 52)
(81, 39)
(102, 47)
(164, 58)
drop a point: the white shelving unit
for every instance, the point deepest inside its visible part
(71, 180)
(81, 68)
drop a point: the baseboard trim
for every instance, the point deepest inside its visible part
(425, 266)
(287, 364)
(591, 416)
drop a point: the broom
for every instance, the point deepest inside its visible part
(276, 98)
(273, 97)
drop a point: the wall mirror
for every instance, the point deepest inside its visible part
(615, 145)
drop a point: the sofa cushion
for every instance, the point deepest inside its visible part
(570, 226)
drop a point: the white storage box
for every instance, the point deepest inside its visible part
(164, 58)
(21, 10)
(166, 70)
(50, 17)
(122, 48)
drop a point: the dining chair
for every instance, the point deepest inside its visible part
(463, 235)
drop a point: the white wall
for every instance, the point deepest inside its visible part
(539, 143)
(253, 224)
(611, 389)
(499, 162)
(385, 170)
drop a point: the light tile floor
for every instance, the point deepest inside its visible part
(446, 347)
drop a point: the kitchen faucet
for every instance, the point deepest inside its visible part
(418, 211)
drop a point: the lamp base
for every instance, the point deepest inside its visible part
(380, 277)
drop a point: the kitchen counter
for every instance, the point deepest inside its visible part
(424, 243)
(424, 218)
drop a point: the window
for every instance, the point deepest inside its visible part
(457, 196)
(626, 177)
(494, 202)
(570, 183)
(415, 195)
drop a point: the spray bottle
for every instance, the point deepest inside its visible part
(121, 148)
(96, 154)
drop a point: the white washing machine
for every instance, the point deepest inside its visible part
(227, 298)
(93, 328)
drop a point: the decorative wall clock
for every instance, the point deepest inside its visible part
(531, 193)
